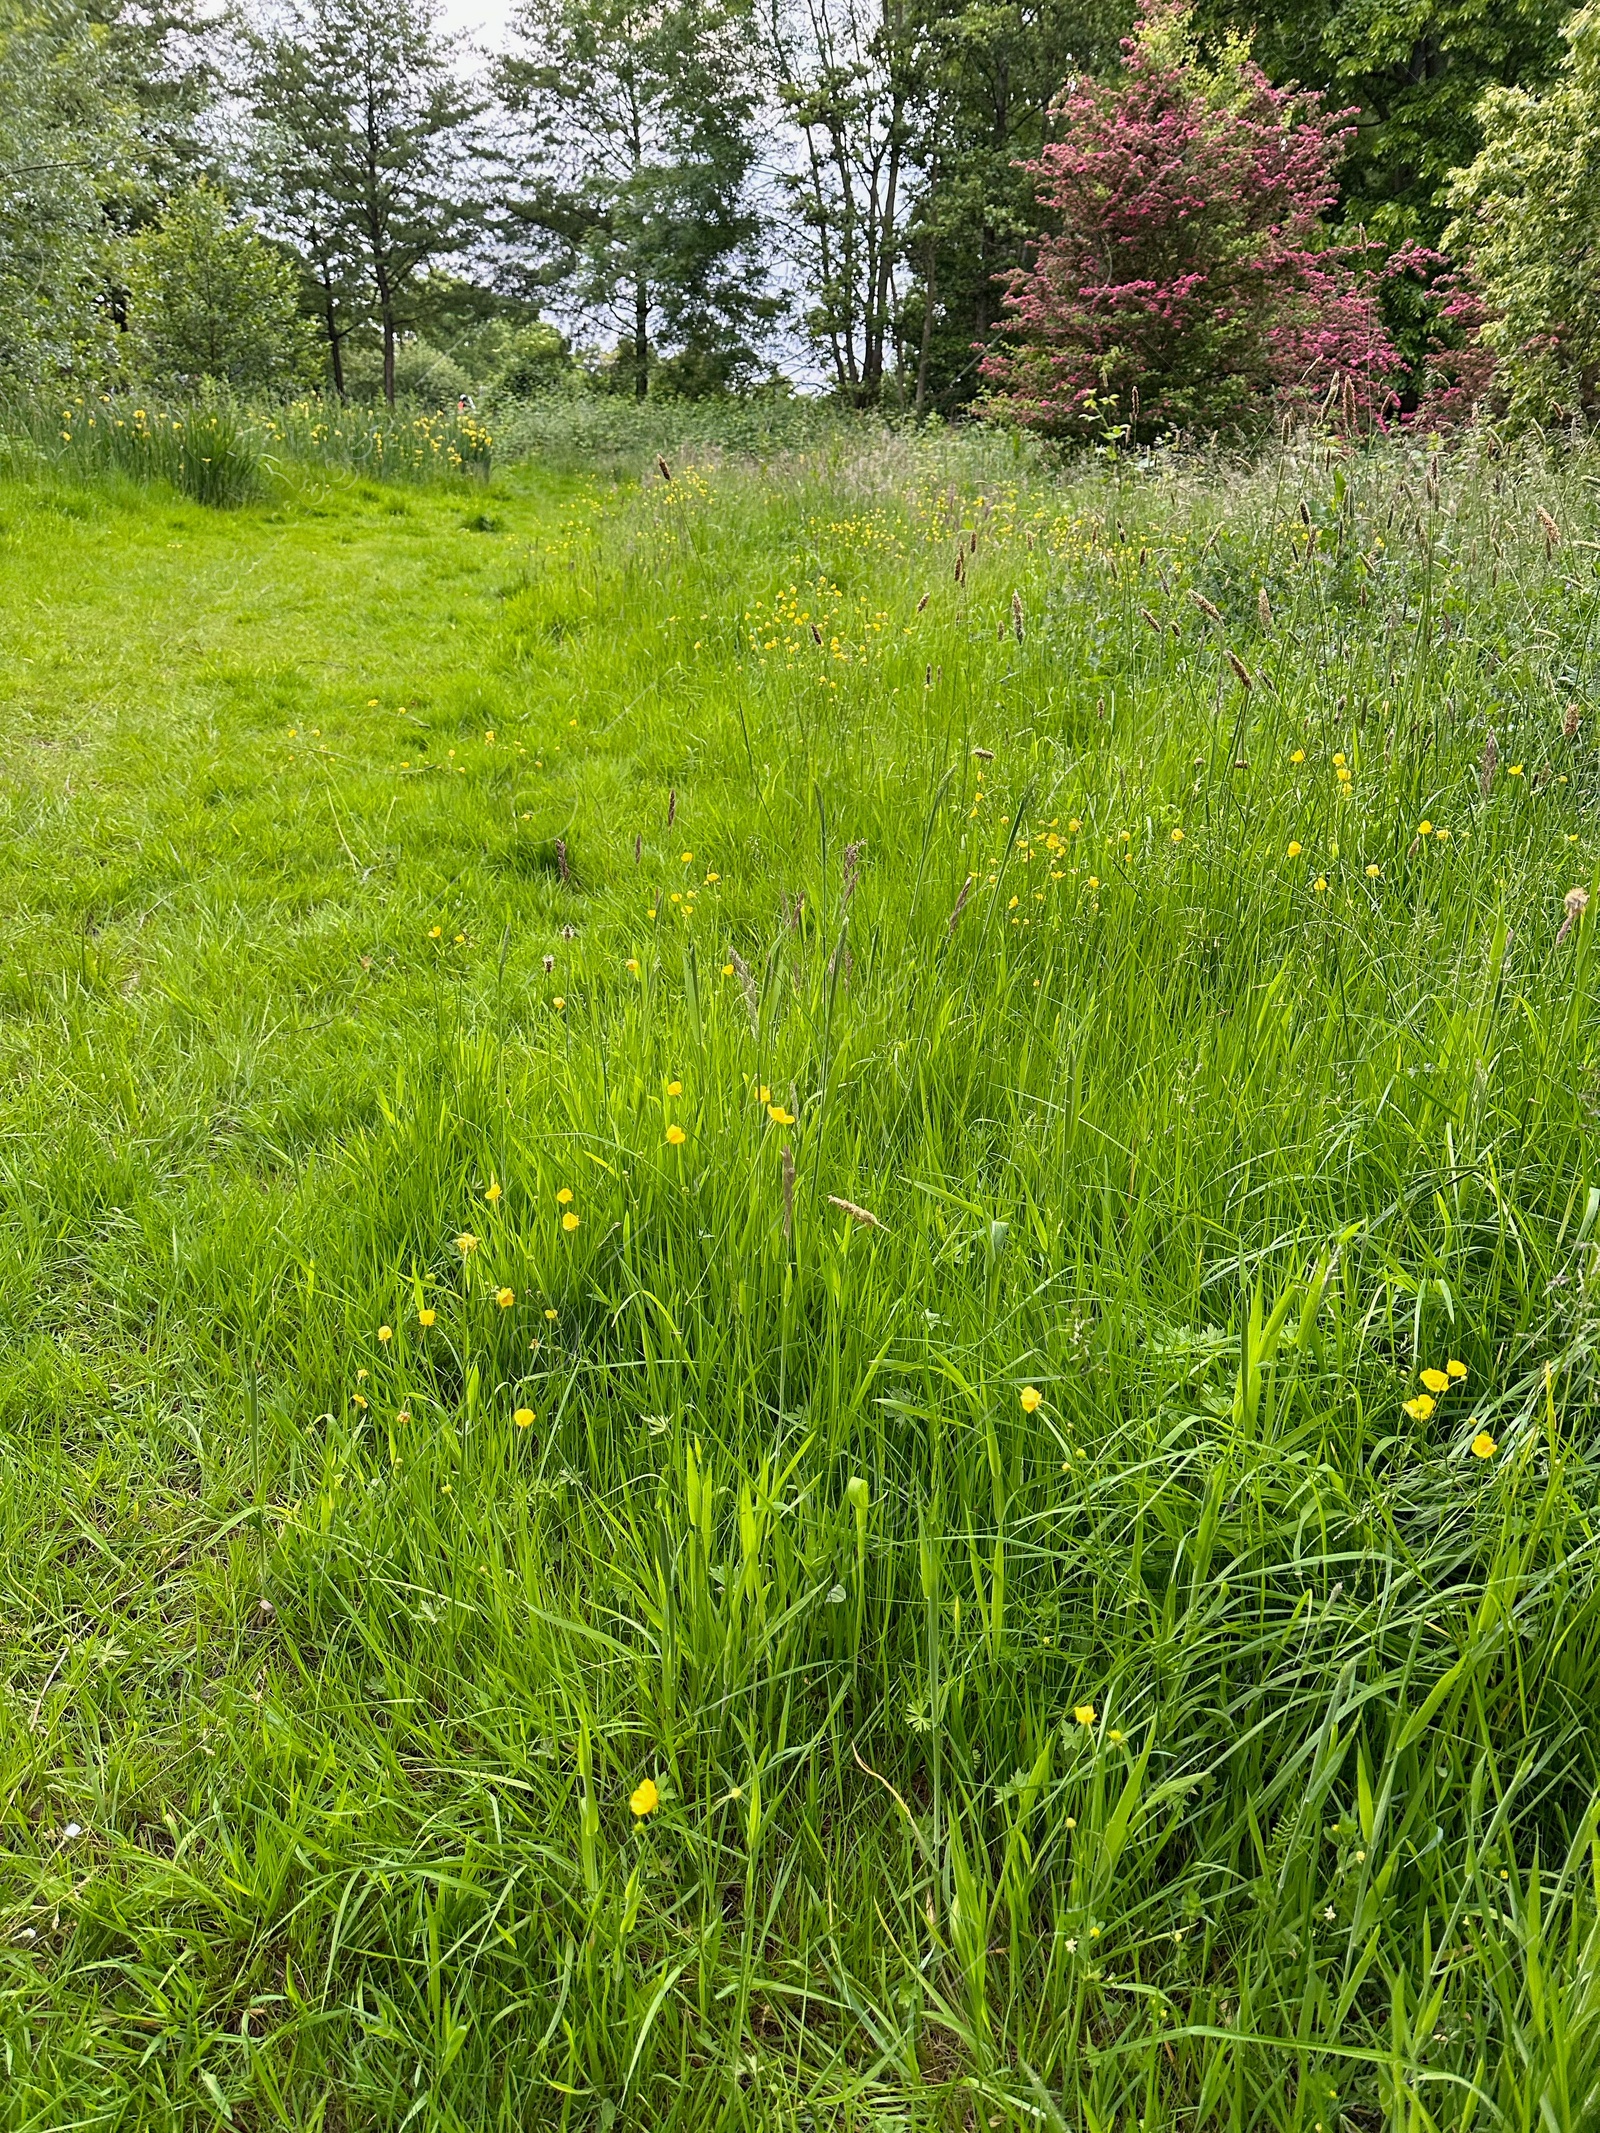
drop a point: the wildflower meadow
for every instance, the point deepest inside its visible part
(797, 1252)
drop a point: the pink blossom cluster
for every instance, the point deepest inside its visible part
(1189, 284)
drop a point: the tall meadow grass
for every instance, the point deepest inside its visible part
(221, 452)
(800, 1324)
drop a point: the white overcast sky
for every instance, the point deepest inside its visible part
(482, 20)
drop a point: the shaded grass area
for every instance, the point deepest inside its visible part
(801, 1133)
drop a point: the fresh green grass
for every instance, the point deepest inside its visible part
(1212, 1744)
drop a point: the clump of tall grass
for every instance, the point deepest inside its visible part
(223, 452)
(387, 444)
(211, 450)
(608, 433)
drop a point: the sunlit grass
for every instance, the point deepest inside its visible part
(797, 1325)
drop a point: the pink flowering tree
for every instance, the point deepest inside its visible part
(1188, 283)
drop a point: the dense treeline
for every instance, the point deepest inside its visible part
(695, 193)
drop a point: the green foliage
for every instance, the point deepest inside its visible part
(993, 68)
(209, 301)
(1527, 210)
(639, 133)
(1416, 71)
(370, 146)
(531, 359)
(163, 64)
(327, 1683)
(422, 373)
(61, 131)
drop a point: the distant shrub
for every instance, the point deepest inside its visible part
(536, 358)
(1189, 284)
(210, 302)
(423, 374)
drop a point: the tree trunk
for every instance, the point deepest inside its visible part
(882, 280)
(330, 320)
(641, 339)
(927, 323)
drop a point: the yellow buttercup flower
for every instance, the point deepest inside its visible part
(1031, 1397)
(674, 1088)
(1084, 1713)
(505, 1298)
(1320, 884)
(1177, 836)
(1435, 1380)
(1424, 828)
(646, 1799)
(524, 1418)
(564, 1196)
(466, 1243)
(426, 1316)
(493, 1194)
(552, 1315)
(1484, 1446)
(1295, 848)
(676, 1136)
(1455, 1369)
(779, 1116)
(1299, 756)
(1420, 1408)
(386, 1333)
(569, 1221)
(1374, 873)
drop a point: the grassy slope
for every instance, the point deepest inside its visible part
(1215, 1158)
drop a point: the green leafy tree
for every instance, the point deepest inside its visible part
(637, 127)
(163, 66)
(366, 143)
(208, 299)
(1527, 221)
(63, 135)
(850, 76)
(1416, 72)
(992, 72)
